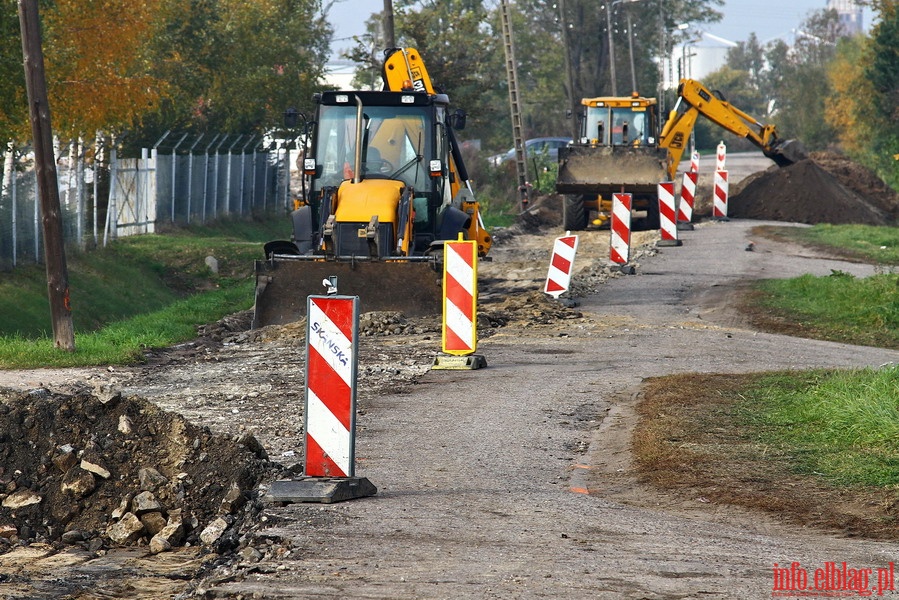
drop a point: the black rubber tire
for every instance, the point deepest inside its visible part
(574, 214)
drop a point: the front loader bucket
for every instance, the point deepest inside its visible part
(608, 169)
(787, 152)
(412, 287)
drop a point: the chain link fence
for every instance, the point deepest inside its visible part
(103, 196)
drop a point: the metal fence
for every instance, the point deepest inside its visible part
(103, 196)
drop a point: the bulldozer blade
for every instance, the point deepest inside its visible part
(787, 152)
(283, 284)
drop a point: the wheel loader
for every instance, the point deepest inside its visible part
(623, 148)
(387, 187)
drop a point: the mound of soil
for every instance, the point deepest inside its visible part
(825, 188)
(107, 470)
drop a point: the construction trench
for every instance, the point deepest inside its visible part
(149, 481)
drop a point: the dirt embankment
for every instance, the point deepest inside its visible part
(825, 188)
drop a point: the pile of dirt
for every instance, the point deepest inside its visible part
(102, 470)
(825, 188)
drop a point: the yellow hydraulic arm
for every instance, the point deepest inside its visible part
(404, 70)
(694, 99)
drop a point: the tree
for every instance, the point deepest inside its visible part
(882, 71)
(234, 66)
(799, 84)
(98, 77)
(13, 103)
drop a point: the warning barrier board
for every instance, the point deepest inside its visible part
(460, 276)
(560, 265)
(332, 324)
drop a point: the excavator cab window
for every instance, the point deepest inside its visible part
(396, 144)
(620, 125)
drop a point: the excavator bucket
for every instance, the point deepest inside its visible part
(787, 152)
(283, 283)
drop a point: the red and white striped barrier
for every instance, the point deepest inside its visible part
(560, 265)
(687, 197)
(460, 276)
(719, 206)
(721, 157)
(332, 324)
(619, 248)
(694, 162)
(667, 217)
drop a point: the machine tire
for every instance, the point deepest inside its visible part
(652, 220)
(574, 214)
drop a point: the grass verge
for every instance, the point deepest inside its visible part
(810, 447)
(816, 447)
(140, 292)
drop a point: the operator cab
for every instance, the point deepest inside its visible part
(403, 141)
(619, 122)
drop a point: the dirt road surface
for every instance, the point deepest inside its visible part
(512, 481)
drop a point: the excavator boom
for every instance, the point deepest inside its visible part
(694, 99)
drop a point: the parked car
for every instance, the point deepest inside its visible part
(545, 146)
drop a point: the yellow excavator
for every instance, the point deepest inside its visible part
(387, 186)
(624, 148)
(694, 99)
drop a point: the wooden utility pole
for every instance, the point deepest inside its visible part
(47, 186)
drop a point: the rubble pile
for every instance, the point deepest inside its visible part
(106, 470)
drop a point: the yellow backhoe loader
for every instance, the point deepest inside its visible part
(623, 148)
(387, 187)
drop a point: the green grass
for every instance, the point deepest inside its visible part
(123, 342)
(839, 425)
(877, 245)
(139, 292)
(839, 307)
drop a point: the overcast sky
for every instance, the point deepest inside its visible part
(768, 19)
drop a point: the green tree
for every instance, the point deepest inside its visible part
(799, 85)
(235, 66)
(13, 103)
(882, 71)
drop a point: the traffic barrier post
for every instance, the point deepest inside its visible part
(332, 349)
(619, 248)
(687, 196)
(719, 207)
(667, 217)
(560, 265)
(460, 290)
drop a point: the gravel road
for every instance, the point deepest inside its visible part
(514, 481)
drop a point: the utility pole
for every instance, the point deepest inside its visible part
(47, 185)
(611, 48)
(521, 158)
(389, 35)
(569, 74)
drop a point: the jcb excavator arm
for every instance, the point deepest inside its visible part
(694, 99)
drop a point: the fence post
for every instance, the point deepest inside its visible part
(243, 169)
(215, 180)
(174, 171)
(190, 175)
(228, 174)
